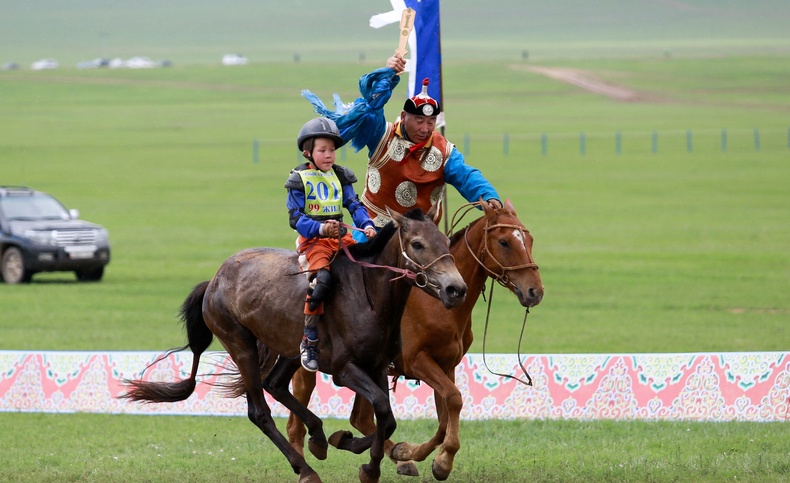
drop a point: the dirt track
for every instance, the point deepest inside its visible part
(585, 80)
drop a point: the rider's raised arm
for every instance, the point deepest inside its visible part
(362, 122)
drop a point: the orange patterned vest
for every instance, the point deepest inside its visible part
(402, 179)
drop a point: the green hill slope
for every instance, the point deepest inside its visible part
(200, 31)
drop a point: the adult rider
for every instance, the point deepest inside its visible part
(409, 162)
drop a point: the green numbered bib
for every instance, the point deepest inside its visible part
(323, 194)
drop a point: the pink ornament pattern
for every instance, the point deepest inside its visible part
(752, 386)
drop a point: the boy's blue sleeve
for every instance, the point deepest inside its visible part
(303, 225)
(358, 211)
(362, 122)
(469, 181)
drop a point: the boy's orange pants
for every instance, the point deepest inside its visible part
(318, 252)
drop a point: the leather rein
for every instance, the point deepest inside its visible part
(420, 277)
(500, 278)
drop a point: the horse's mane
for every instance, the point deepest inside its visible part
(457, 235)
(375, 245)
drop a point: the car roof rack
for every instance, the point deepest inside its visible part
(16, 191)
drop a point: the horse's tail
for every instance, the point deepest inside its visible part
(199, 337)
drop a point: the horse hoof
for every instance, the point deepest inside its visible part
(365, 477)
(407, 468)
(310, 478)
(439, 473)
(339, 437)
(401, 452)
(318, 449)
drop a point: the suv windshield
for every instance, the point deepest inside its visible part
(35, 207)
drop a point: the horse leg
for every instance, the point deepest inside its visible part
(303, 385)
(362, 418)
(276, 384)
(449, 418)
(241, 346)
(377, 392)
(448, 408)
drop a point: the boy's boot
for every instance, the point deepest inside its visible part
(309, 346)
(321, 286)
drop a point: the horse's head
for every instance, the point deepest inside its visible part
(506, 254)
(425, 250)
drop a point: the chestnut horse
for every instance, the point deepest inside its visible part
(255, 301)
(435, 339)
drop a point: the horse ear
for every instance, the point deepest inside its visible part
(485, 206)
(509, 205)
(397, 218)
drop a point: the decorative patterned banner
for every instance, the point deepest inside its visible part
(745, 386)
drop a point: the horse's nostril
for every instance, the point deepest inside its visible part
(455, 292)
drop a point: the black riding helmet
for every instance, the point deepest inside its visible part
(320, 127)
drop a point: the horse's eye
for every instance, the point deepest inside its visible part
(503, 243)
(417, 245)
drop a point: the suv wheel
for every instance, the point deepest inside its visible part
(93, 275)
(12, 267)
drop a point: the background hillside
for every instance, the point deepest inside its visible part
(200, 31)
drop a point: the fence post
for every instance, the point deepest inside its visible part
(506, 144)
(582, 143)
(689, 144)
(756, 139)
(723, 140)
(617, 142)
(544, 142)
(654, 142)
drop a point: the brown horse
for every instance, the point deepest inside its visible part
(256, 301)
(435, 339)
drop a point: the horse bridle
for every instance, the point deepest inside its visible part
(420, 277)
(422, 268)
(502, 279)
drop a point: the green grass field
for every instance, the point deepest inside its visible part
(640, 251)
(109, 448)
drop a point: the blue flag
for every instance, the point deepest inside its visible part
(425, 52)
